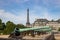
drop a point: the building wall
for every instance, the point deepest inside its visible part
(54, 25)
(44, 22)
(39, 23)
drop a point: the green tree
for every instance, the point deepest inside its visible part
(20, 26)
(0, 21)
(3, 26)
(10, 26)
(59, 29)
(0, 24)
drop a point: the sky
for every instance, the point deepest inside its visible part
(16, 10)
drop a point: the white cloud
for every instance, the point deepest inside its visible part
(20, 18)
(36, 12)
(7, 16)
(42, 12)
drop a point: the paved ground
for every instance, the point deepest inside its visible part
(4, 36)
(40, 37)
(57, 36)
(37, 37)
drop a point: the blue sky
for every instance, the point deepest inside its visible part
(15, 10)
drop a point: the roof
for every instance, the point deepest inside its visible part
(42, 20)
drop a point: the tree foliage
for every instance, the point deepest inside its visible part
(9, 27)
(20, 26)
(2, 25)
(0, 21)
(59, 29)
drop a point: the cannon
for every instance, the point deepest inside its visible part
(15, 33)
(18, 32)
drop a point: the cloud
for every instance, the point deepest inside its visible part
(39, 12)
(7, 16)
(35, 13)
(42, 12)
(17, 19)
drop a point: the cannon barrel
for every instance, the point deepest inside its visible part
(15, 33)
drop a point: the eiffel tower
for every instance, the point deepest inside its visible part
(28, 23)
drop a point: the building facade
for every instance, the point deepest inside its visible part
(44, 22)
